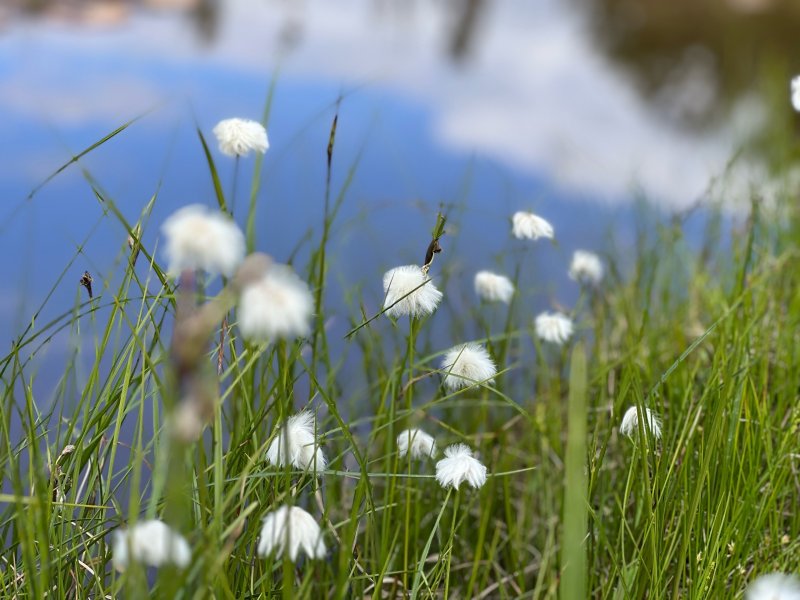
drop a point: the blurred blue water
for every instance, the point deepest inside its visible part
(426, 134)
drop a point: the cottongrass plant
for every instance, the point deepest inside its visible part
(296, 445)
(630, 422)
(586, 268)
(563, 503)
(526, 225)
(459, 465)
(492, 287)
(774, 586)
(152, 543)
(415, 443)
(467, 365)
(277, 305)
(795, 88)
(555, 328)
(409, 290)
(199, 238)
(239, 137)
(289, 531)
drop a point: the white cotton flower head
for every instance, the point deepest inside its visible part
(278, 305)
(586, 267)
(529, 226)
(459, 465)
(553, 327)
(467, 365)
(409, 291)
(151, 543)
(239, 137)
(492, 287)
(290, 530)
(416, 443)
(630, 422)
(296, 444)
(775, 586)
(198, 238)
(796, 93)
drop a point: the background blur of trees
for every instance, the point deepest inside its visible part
(691, 60)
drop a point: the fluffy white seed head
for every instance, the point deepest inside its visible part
(238, 137)
(796, 93)
(630, 422)
(775, 586)
(586, 267)
(527, 225)
(467, 365)
(553, 327)
(459, 465)
(415, 443)
(492, 287)
(409, 291)
(198, 238)
(296, 444)
(151, 543)
(290, 530)
(279, 305)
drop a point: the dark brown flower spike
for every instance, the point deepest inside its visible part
(434, 247)
(86, 281)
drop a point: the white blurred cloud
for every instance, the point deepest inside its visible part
(534, 94)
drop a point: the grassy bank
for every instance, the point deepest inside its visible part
(707, 339)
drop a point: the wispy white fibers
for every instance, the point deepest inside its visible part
(775, 586)
(492, 287)
(630, 422)
(296, 444)
(586, 267)
(796, 93)
(290, 530)
(151, 543)
(467, 365)
(459, 465)
(525, 225)
(204, 239)
(553, 327)
(279, 305)
(409, 291)
(415, 443)
(239, 137)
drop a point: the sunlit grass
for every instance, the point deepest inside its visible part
(707, 340)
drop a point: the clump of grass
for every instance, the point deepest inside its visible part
(570, 507)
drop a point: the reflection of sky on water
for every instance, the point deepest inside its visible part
(534, 119)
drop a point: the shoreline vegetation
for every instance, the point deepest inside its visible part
(642, 443)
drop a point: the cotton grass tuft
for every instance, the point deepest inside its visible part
(278, 305)
(409, 291)
(555, 328)
(795, 86)
(416, 443)
(774, 586)
(296, 444)
(291, 530)
(151, 543)
(630, 422)
(457, 466)
(586, 268)
(492, 287)
(239, 137)
(525, 225)
(467, 365)
(198, 238)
